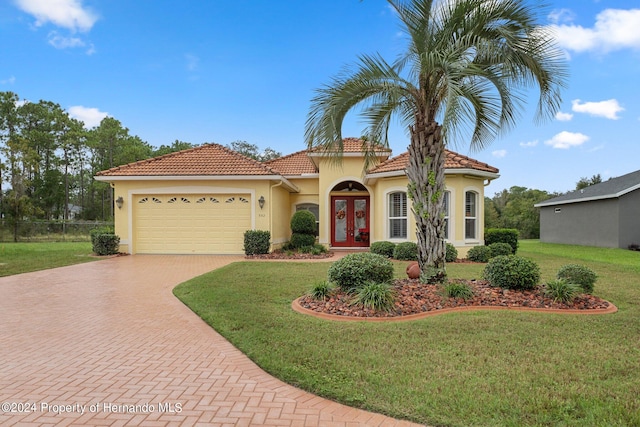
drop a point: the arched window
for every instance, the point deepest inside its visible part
(470, 215)
(398, 215)
(314, 209)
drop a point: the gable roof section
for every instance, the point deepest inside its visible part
(205, 160)
(613, 188)
(453, 161)
(297, 163)
(353, 146)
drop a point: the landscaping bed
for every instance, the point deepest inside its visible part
(280, 255)
(413, 297)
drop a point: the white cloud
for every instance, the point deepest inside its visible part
(499, 153)
(11, 80)
(69, 14)
(608, 109)
(614, 29)
(62, 42)
(529, 143)
(565, 140)
(564, 117)
(91, 117)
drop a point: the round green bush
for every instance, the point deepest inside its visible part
(301, 240)
(303, 222)
(578, 274)
(512, 272)
(354, 270)
(406, 251)
(383, 248)
(479, 254)
(451, 254)
(496, 249)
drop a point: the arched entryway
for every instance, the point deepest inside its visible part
(350, 215)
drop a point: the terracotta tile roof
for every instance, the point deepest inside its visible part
(208, 159)
(293, 164)
(354, 145)
(453, 161)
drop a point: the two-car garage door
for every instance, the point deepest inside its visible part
(190, 223)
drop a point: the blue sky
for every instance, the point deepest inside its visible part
(227, 70)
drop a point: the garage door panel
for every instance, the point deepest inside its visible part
(202, 223)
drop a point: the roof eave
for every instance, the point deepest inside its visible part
(287, 184)
(372, 177)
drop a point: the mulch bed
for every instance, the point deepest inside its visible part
(413, 297)
(289, 255)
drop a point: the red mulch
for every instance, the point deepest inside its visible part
(289, 255)
(413, 297)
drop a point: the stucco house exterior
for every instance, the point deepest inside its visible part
(202, 200)
(605, 214)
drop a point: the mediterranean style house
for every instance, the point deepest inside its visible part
(202, 200)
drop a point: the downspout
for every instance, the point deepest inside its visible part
(271, 210)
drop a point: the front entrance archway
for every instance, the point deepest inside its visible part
(350, 215)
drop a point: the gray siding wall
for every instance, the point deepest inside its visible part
(629, 219)
(592, 223)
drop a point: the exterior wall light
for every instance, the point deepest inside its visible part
(261, 202)
(119, 202)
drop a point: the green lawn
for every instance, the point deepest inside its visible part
(460, 369)
(18, 258)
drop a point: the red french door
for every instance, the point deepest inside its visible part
(350, 221)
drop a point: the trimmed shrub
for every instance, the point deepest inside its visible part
(502, 235)
(256, 242)
(457, 290)
(100, 230)
(499, 248)
(451, 254)
(105, 244)
(301, 240)
(479, 254)
(512, 272)
(321, 290)
(375, 295)
(383, 248)
(561, 291)
(578, 274)
(303, 222)
(354, 270)
(406, 251)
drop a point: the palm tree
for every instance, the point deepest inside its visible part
(468, 63)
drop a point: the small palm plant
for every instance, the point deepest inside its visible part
(374, 295)
(562, 291)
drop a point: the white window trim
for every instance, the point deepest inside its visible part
(385, 229)
(478, 193)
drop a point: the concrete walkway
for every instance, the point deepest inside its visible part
(107, 344)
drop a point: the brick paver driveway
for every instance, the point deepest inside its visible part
(107, 343)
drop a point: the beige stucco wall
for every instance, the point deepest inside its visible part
(331, 174)
(456, 185)
(280, 202)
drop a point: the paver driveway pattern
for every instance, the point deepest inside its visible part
(107, 343)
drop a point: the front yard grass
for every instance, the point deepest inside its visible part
(16, 258)
(459, 369)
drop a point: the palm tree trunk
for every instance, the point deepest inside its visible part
(425, 173)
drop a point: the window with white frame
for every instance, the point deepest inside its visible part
(446, 214)
(470, 214)
(314, 209)
(398, 215)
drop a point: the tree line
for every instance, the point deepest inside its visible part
(48, 160)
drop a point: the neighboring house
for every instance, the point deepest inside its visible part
(605, 214)
(202, 200)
